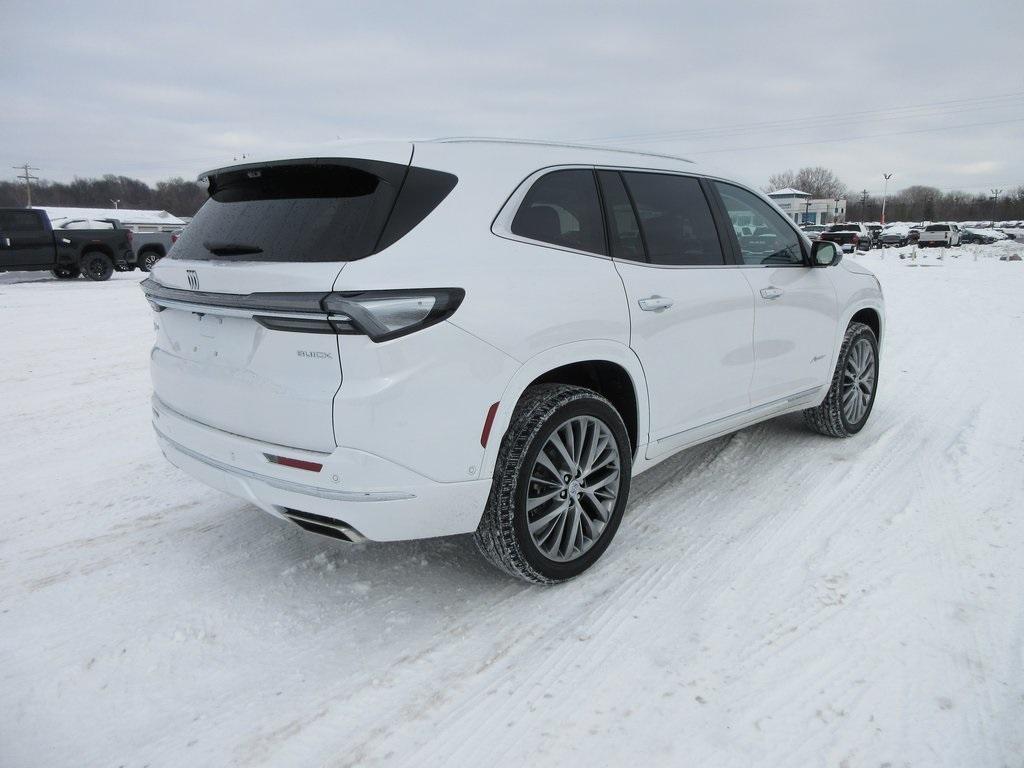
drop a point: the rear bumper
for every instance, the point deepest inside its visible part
(356, 493)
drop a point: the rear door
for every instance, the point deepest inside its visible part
(25, 240)
(795, 305)
(691, 315)
(266, 248)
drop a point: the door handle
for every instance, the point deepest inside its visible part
(655, 303)
(771, 292)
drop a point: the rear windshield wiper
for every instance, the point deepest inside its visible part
(231, 249)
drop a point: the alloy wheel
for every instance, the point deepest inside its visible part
(858, 380)
(574, 485)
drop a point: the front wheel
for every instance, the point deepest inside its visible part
(850, 398)
(97, 266)
(66, 272)
(560, 485)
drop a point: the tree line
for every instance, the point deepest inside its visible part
(916, 203)
(183, 198)
(177, 196)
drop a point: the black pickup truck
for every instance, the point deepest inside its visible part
(29, 243)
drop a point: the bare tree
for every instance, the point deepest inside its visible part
(780, 181)
(816, 181)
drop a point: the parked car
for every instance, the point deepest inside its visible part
(939, 235)
(813, 231)
(490, 337)
(848, 236)
(981, 236)
(875, 229)
(894, 235)
(150, 247)
(28, 242)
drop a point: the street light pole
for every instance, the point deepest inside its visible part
(885, 192)
(115, 202)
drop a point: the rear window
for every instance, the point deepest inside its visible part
(306, 212)
(844, 228)
(937, 228)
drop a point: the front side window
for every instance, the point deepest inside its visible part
(562, 208)
(676, 220)
(764, 236)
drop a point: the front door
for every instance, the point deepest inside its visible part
(691, 314)
(795, 306)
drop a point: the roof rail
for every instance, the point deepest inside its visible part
(541, 143)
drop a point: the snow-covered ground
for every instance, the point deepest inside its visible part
(772, 598)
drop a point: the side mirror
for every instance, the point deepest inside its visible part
(824, 253)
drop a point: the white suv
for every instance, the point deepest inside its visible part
(405, 340)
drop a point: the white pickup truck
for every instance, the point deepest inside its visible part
(943, 235)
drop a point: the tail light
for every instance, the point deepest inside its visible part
(174, 238)
(130, 234)
(385, 315)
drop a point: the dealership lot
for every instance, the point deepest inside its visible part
(773, 594)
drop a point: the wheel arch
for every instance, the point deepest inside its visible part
(610, 368)
(97, 248)
(871, 317)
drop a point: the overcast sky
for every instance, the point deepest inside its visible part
(154, 90)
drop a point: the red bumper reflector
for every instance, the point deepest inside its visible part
(487, 424)
(284, 461)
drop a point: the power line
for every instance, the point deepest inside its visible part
(854, 138)
(812, 118)
(26, 174)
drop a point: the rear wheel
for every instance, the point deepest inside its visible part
(97, 266)
(147, 260)
(560, 485)
(850, 398)
(66, 272)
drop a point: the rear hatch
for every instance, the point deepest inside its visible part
(262, 253)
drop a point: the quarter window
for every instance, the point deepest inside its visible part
(562, 208)
(677, 225)
(765, 238)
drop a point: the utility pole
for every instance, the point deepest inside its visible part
(995, 197)
(863, 203)
(885, 192)
(26, 174)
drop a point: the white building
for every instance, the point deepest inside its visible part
(804, 209)
(135, 220)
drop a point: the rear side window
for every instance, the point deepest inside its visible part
(562, 208)
(676, 220)
(21, 221)
(308, 211)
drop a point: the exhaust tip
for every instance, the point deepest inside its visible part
(325, 526)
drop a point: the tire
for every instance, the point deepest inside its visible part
(66, 272)
(833, 417)
(504, 535)
(97, 266)
(146, 260)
